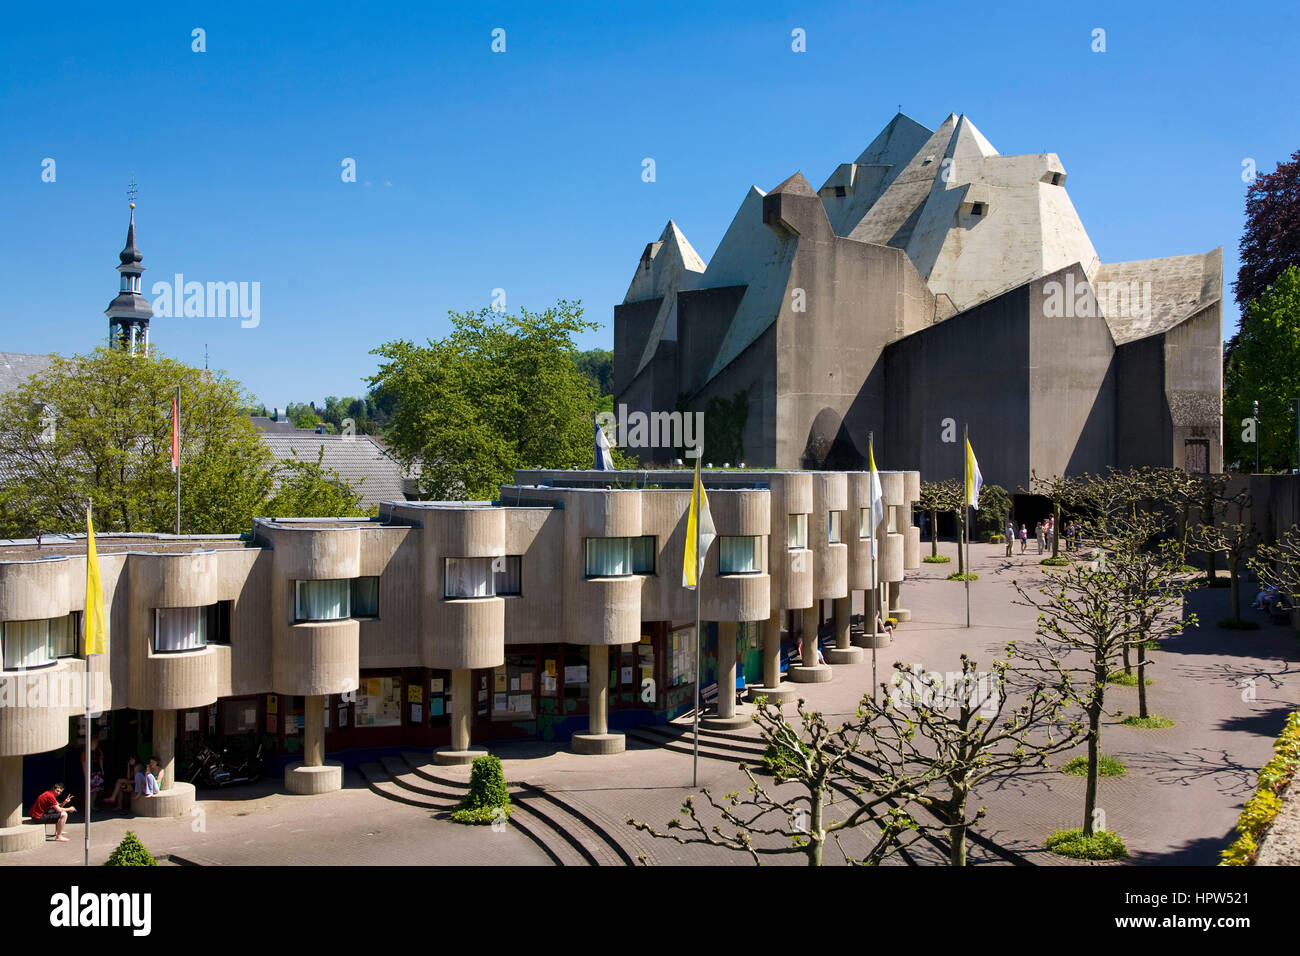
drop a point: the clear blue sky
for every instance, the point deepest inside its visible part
(522, 170)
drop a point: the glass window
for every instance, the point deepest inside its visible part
(643, 554)
(891, 520)
(512, 688)
(609, 557)
(508, 574)
(834, 520)
(864, 523)
(63, 635)
(328, 600)
(26, 644)
(797, 532)
(178, 629)
(468, 578)
(738, 555)
(219, 621)
(365, 597)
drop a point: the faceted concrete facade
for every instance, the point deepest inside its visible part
(929, 284)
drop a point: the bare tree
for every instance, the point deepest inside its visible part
(1278, 567)
(1235, 540)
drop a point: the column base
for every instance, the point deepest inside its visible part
(818, 674)
(871, 640)
(735, 722)
(780, 694)
(25, 836)
(305, 780)
(597, 744)
(837, 655)
(900, 614)
(172, 802)
(447, 757)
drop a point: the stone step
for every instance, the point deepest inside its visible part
(622, 849)
(711, 739)
(568, 828)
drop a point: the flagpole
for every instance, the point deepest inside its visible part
(966, 488)
(695, 722)
(875, 586)
(176, 451)
(86, 655)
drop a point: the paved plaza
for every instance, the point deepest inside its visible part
(1228, 693)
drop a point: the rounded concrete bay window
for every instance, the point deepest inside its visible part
(620, 557)
(31, 645)
(470, 620)
(739, 554)
(178, 630)
(329, 600)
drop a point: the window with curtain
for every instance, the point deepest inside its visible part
(178, 629)
(738, 555)
(329, 600)
(797, 532)
(643, 554)
(26, 644)
(835, 519)
(864, 522)
(63, 635)
(509, 574)
(609, 557)
(365, 597)
(468, 578)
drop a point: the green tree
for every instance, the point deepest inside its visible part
(131, 852)
(1264, 366)
(97, 428)
(307, 489)
(598, 366)
(500, 392)
(995, 507)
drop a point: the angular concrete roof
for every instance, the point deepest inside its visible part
(667, 267)
(1145, 297)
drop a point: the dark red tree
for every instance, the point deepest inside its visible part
(1271, 241)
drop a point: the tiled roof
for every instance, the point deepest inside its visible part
(354, 457)
(17, 367)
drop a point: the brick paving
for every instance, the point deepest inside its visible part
(1178, 803)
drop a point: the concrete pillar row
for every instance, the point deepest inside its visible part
(598, 739)
(870, 636)
(461, 712)
(844, 652)
(313, 774)
(726, 716)
(174, 798)
(810, 672)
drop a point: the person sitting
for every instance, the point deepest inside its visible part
(153, 778)
(883, 627)
(820, 658)
(120, 798)
(49, 809)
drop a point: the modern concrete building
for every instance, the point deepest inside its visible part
(556, 612)
(928, 284)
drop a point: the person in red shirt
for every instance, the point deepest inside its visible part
(49, 809)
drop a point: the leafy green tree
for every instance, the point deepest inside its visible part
(97, 428)
(1264, 366)
(598, 366)
(500, 392)
(995, 507)
(307, 489)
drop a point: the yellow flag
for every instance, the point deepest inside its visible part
(699, 524)
(974, 480)
(95, 636)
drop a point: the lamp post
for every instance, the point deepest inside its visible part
(1256, 411)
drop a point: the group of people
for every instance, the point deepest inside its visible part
(141, 780)
(1043, 533)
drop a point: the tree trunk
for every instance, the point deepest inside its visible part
(934, 534)
(1142, 680)
(1128, 664)
(1184, 520)
(816, 837)
(1094, 749)
(1209, 566)
(1056, 528)
(961, 539)
(957, 825)
(1234, 586)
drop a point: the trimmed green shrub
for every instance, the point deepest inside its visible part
(1120, 679)
(1102, 845)
(1260, 809)
(488, 793)
(936, 559)
(1149, 723)
(964, 576)
(131, 852)
(1106, 766)
(1058, 562)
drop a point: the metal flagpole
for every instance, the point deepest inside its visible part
(177, 425)
(965, 517)
(86, 828)
(695, 723)
(875, 586)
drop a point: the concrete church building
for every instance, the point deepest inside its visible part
(929, 280)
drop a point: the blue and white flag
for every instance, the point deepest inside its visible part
(604, 462)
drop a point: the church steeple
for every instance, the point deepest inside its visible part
(129, 313)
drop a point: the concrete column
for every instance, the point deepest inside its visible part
(896, 609)
(164, 745)
(14, 834)
(11, 791)
(870, 637)
(772, 688)
(726, 669)
(844, 652)
(463, 702)
(313, 747)
(598, 689)
(598, 739)
(810, 672)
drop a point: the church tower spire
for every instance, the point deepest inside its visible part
(129, 313)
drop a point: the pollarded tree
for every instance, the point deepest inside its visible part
(1278, 567)
(937, 498)
(1086, 617)
(1236, 542)
(1059, 490)
(960, 730)
(817, 759)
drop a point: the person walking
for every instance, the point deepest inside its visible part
(1024, 538)
(1040, 532)
(1011, 536)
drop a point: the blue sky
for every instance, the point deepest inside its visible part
(522, 170)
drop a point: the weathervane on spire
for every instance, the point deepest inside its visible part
(130, 191)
